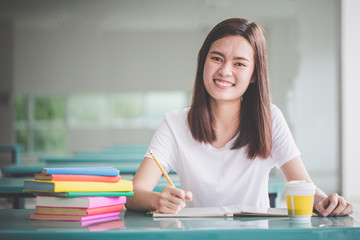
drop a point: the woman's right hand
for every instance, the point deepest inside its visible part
(172, 199)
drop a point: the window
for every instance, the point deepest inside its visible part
(40, 124)
(44, 123)
(127, 110)
(49, 109)
(158, 103)
(88, 110)
(21, 122)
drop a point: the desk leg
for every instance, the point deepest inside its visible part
(272, 198)
(18, 203)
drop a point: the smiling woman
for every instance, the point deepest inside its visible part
(228, 55)
(224, 145)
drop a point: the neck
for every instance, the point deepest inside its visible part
(225, 113)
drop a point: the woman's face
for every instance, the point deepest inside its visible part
(228, 68)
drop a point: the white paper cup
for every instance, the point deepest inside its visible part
(299, 200)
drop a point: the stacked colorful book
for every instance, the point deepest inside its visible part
(89, 194)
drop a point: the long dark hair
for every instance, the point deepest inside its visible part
(255, 128)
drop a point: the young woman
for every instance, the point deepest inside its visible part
(224, 146)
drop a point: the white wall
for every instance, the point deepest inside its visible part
(350, 98)
(83, 59)
(315, 101)
(304, 68)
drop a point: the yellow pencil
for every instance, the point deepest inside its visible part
(162, 169)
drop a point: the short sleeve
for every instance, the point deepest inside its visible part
(162, 146)
(284, 147)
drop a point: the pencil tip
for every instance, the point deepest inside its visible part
(150, 151)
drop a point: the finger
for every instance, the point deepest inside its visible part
(333, 202)
(177, 201)
(340, 207)
(167, 196)
(319, 207)
(168, 209)
(171, 202)
(174, 207)
(176, 196)
(176, 192)
(349, 209)
(188, 195)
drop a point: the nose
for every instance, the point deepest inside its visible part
(225, 70)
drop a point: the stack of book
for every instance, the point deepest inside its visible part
(100, 224)
(89, 194)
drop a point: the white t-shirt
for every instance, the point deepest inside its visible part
(220, 177)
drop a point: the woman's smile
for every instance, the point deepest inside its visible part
(223, 83)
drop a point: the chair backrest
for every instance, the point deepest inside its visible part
(9, 154)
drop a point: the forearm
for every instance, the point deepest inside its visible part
(144, 181)
(143, 200)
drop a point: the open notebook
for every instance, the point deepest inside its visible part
(227, 211)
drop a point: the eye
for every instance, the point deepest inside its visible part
(239, 64)
(217, 59)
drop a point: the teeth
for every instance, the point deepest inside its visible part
(224, 84)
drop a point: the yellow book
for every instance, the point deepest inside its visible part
(77, 186)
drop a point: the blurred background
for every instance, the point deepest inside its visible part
(86, 74)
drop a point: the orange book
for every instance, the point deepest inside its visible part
(67, 177)
(78, 211)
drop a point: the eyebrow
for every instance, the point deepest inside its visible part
(219, 53)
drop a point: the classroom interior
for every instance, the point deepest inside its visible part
(84, 76)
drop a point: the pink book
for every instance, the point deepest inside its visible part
(79, 202)
(52, 217)
(73, 224)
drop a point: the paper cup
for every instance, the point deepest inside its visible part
(299, 200)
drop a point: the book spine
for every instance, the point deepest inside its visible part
(103, 171)
(101, 215)
(84, 194)
(78, 211)
(74, 186)
(87, 178)
(79, 202)
(67, 186)
(95, 202)
(61, 211)
(36, 216)
(107, 209)
(99, 194)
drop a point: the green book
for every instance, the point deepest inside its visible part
(85, 194)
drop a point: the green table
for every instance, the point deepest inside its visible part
(11, 187)
(15, 224)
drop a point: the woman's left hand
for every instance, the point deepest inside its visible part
(334, 205)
